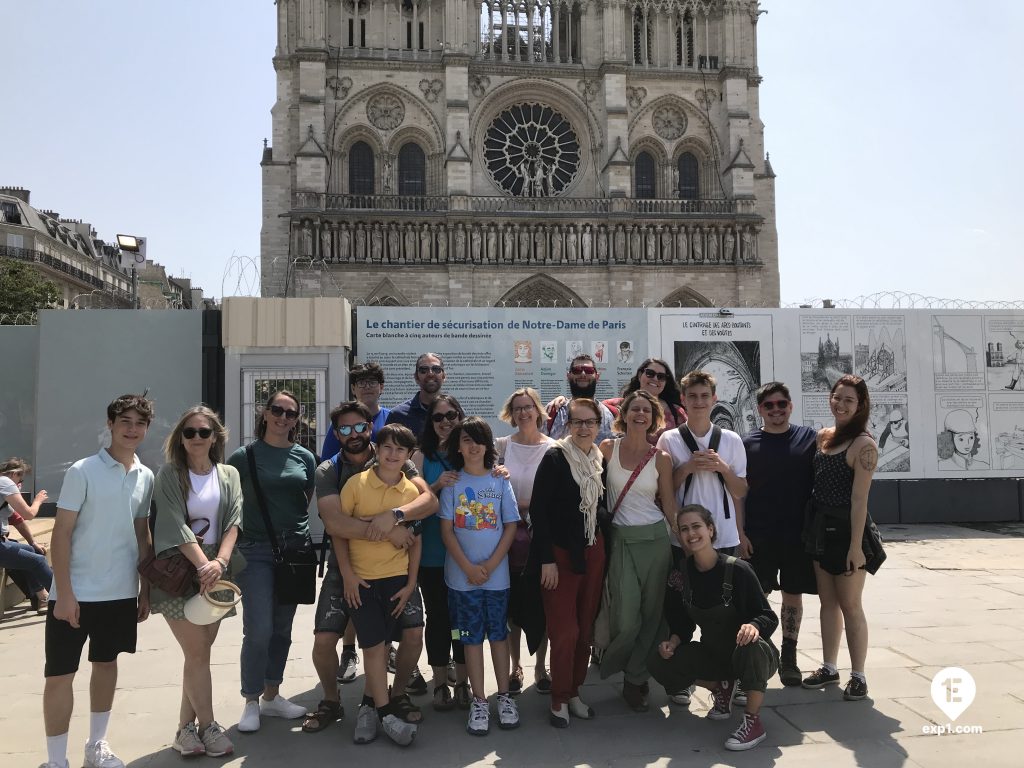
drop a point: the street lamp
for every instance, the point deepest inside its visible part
(137, 246)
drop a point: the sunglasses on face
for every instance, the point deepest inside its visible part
(189, 433)
(589, 370)
(437, 418)
(584, 422)
(347, 429)
(425, 369)
(650, 373)
(288, 413)
(775, 405)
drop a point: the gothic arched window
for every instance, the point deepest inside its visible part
(643, 176)
(360, 169)
(412, 170)
(689, 180)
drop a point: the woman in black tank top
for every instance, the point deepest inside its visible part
(844, 463)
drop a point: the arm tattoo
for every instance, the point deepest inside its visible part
(869, 458)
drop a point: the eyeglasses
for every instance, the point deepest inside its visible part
(775, 405)
(522, 408)
(366, 383)
(288, 413)
(437, 418)
(584, 422)
(425, 369)
(589, 370)
(189, 433)
(650, 373)
(347, 429)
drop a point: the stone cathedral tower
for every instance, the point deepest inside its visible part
(566, 152)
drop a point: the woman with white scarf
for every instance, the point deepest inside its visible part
(570, 548)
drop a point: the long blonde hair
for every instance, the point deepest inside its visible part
(174, 451)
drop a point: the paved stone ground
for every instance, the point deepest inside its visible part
(948, 596)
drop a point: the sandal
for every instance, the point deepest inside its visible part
(443, 701)
(327, 712)
(403, 708)
(462, 695)
(515, 680)
(543, 684)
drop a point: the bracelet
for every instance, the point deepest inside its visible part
(222, 561)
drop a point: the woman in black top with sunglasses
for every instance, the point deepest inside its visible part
(286, 475)
(655, 376)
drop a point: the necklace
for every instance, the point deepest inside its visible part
(201, 472)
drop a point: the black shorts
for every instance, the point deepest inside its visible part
(837, 547)
(110, 626)
(332, 612)
(373, 619)
(783, 565)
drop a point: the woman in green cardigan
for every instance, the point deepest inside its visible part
(196, 493)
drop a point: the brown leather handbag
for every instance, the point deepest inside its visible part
(175, 573)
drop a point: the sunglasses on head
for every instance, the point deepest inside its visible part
(288, 413)
(437, 418)
(650, 373)
(576, 370)
(425, 369)
(190, 432)
(347, 429)
(775, 405)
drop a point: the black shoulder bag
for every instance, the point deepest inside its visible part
(295, 561)
(691, 443)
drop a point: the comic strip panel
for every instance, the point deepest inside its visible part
(736, 366)
(826, 351)
(880, 352)
(962, 433)
(889, 424)
(1004, 353)
(957, 346)
(1006, 420)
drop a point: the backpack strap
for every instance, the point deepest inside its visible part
(713, 443)
(730, 564)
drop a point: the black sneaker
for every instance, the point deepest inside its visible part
(348, 666)
(820, 679)
(855, 690)
(416, 686)
(392, 656)
(789, 672)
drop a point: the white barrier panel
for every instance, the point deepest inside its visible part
(489, 353)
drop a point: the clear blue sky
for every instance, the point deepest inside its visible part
(893, 128)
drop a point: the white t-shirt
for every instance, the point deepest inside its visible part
(7, 488)
(203, 504)
(522, 461)
(638, 506)
(706, 487)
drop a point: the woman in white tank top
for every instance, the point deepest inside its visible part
(640, 551)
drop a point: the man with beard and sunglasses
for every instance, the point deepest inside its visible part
(582, 376)
(429, 376)
(779, 480)
(352, 422)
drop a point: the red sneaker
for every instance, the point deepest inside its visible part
(721, 699)
(748, 735)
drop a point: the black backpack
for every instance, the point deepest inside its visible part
(691, 443)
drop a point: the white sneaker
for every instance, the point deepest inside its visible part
(682, 698)
(98, 755)
(479, 718)
(187, 742)
(279, 706)
(249, 722)
(399, 731)
(54, 765)
(366, 725)
(508, 712)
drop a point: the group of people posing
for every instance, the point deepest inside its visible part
(605, 532)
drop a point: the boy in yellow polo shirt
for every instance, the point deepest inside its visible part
(380, 586)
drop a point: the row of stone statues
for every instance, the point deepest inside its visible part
(414, 243)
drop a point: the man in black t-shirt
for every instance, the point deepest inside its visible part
(779, 479)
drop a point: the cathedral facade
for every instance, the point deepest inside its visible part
(531, 153)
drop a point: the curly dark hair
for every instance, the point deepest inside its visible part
(479, 432)
(429, 442)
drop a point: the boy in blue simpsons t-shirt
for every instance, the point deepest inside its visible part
(478, 523)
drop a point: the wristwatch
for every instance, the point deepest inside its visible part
(399, 515)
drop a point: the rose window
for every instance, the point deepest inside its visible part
(531, 151)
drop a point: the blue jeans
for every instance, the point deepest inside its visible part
(266, 626)
(18, 556)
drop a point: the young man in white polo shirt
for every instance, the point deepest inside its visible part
(99, 535)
